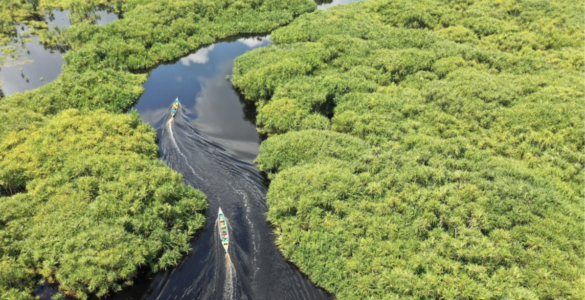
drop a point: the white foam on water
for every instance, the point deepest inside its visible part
(228, 288)
(181, 153)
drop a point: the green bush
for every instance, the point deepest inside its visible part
(86, 202)
(452, 164)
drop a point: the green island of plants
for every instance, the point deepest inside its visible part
(85, 200)
(427, 149)
(90, 204)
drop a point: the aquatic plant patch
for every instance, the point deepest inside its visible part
(84, 203)
(426, 149)
(105, 67)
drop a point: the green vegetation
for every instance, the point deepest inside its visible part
(427, 149)
(85, 200)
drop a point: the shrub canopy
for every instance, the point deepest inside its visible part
(85, 202)
(427, 149)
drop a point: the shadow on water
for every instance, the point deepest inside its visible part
(39, 61)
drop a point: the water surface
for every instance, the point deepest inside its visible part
(200, 81)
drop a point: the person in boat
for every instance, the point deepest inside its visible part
(175, 106)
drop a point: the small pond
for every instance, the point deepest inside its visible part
(41, 65)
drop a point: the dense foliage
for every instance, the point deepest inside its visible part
(427, 149)
(86, 202)
(84, 199)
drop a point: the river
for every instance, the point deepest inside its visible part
(212, 142)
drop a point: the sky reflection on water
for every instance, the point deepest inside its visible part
(199, 81)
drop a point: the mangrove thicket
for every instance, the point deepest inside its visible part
(427, 149)
(85, 202)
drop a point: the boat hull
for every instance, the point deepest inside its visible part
(175, 108)
(223, 230)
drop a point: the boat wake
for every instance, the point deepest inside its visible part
(172, 136)
(253, 268)
(228, 289)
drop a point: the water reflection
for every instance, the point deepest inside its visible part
(199, 57)
(199, 80)
(324, 4)
(41, 64)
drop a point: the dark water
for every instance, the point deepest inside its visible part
(45, 63)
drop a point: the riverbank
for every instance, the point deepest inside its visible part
(64, 196)
(426, 150)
